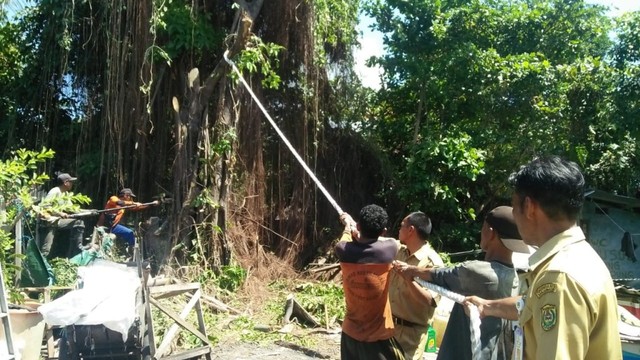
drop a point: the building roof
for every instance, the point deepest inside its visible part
(624, 202)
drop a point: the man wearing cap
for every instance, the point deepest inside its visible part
(494, 278)
(111, 219)
(56, 218)
(411, 304)
(569, 308)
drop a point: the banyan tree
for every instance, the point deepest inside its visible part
(136, 93)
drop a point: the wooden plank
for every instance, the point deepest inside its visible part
(165, 291)
(49, 328)
(179, 321)
(159, 282)
(173, 329)
(325, 268)
(149, 322)
(295, 310)
(217, 304)
(201, 324)
(47, 288)
(18, 249)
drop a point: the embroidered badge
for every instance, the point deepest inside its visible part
(549, 317)
(545, 289)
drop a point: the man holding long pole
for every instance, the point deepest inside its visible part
(111, 219)
(58, 219)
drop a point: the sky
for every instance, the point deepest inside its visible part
(371, 42)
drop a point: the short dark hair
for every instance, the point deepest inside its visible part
(372, 220)
(421, 222)
(556, 184)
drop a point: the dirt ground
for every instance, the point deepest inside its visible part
(322, 343)
(328, 347)
(244, 351)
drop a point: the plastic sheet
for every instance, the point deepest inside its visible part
(107, 297)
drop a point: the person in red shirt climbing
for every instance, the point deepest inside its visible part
(111, 219)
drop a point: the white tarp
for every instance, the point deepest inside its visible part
(107, 297)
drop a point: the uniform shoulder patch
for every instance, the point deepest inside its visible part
(549, 317)
(545, 289)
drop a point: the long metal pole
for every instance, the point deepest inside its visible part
(284, 138)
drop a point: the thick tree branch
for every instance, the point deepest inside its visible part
(251, 7)
(242, 37)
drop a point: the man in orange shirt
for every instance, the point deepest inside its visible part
(111, 219)
(365, 260)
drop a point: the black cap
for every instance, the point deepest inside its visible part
(127, 191)
(66, 177)
(502, 221)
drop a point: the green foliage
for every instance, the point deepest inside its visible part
(231, 277)
(19, 176)
(184, 29)
(439, 174)
(245, 326)
(446, 259)
(482, 87)
(627, 50)
(214, 153)
(205, 198)
(65, 272)
(224, 143)
(249, 331)
(616, 169)
(333, 29)
(68, 202)
(10, 68)
(7, 261)
(263, 58)
(325, 301)
(9, 54)
(454, 237)
(322, 300)
(184, 339)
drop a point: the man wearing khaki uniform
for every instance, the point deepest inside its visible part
(569, 309)
(412, 305)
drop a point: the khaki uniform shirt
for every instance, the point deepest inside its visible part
(405, 305)
(570, 307)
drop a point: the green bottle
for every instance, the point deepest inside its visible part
(431, 341)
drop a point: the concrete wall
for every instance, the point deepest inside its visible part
(604, 227)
